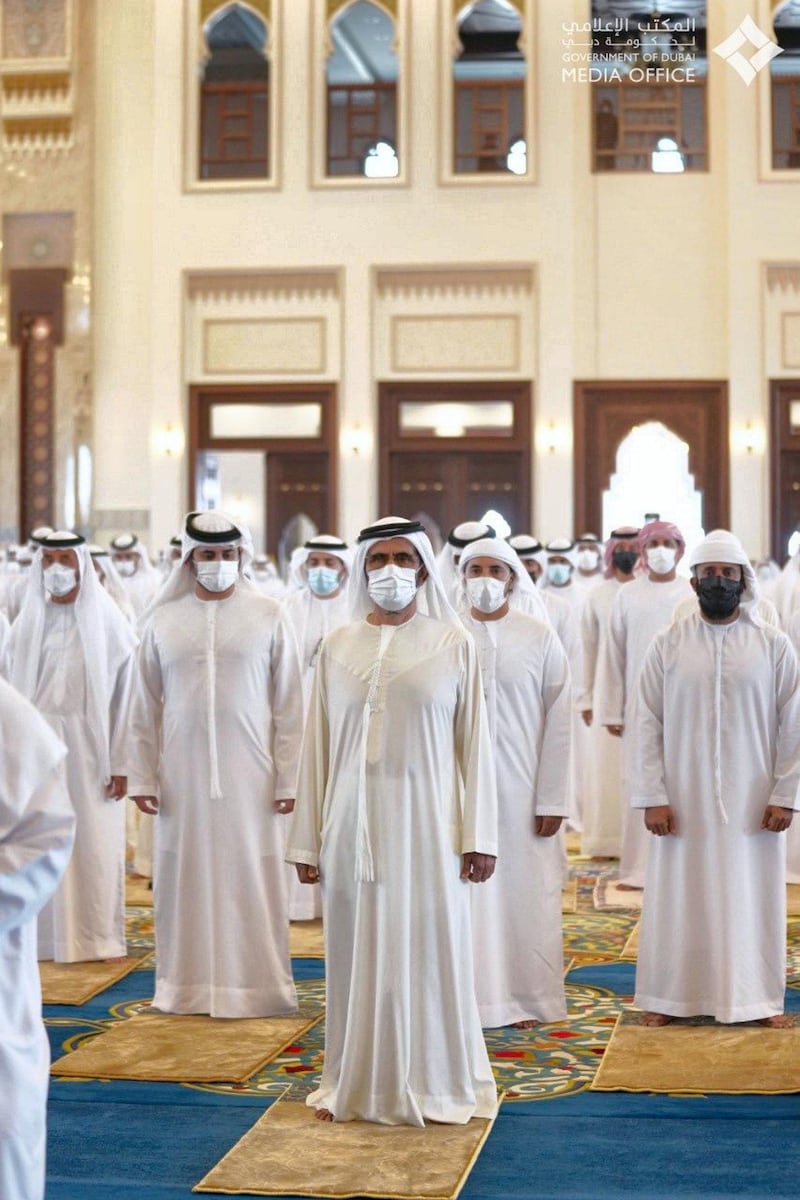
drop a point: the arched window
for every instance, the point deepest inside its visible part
(653, 476)
(361, 77)
(489, 75)
(785, 78)
(234, 96)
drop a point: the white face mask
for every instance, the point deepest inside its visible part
(486, 594)
(588, 560)
(661, 559)
(559, 573)
(217, 576)
(126, 567)
(392, 588)
(59, 580)
(323, 580)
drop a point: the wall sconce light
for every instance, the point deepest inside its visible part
(553, 437)
(356, 441)
(169, 440)
(749, 438)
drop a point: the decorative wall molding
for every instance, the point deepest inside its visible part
(253, 286)
(271, 345)
(447, 282)
(479, 342)
(783, 277)
(37, 88)
(790, 340)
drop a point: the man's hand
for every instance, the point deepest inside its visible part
(660, 820)
(477, 868)
(776, 819)
(616, 730)
(146, 804)
(547, 826)
(587, 716)
(117, 787)
(284, 806)
(306, 873)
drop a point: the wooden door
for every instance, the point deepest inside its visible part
(456, 478)
(605, 413)
(296, 483)
(785, 463)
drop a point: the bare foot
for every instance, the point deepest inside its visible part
(779, 1021)
(324, 1114)
(628, 887)
(653, 1020)
(120, 959)
(529, 1024)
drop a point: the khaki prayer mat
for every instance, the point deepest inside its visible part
(178, 1049)
(699, 1057)
(306, 939)
(75, 983)
(630, 951)
(288, 1152)
(607, 894)
(569, 896)
(138, 892)
(573, 842)
(793, 899)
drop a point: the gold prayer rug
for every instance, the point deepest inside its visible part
(793, 899)
(608, 894)
(699, 1057)
(630, 951)
(75, 983)
(306, 939)
(138, 893)
(288, 1152)
(569, 896)
(183, 1049)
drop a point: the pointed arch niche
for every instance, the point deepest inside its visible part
(232, 98)
(652, 476)
(695, 413)
(487, 92)
(360, 71)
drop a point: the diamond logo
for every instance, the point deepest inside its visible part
(730, 50)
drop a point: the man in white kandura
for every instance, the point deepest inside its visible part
(37, 826)
(516, 916)
(717, 768)
(449, 556)
(215, 732)
(396, 813)
(602, 812)
(313, 612)
(140, 580)
(71, 654)
(639, 611)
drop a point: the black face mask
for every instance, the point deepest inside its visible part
(719, 597)
(625, 560)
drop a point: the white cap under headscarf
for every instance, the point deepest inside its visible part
(722, 546)
(435, 601)
(528, 547)
(321, 543)
(106, 637)
(562, 548)
(524, 594)
(209, 528)
(458, 539)
(125, 543)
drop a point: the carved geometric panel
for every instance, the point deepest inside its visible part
(468, 342)
(273, 345)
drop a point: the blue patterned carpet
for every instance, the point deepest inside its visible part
(123, 1140)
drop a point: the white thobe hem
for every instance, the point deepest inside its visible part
(219, 1002)
(710, 1008)
(496, 1016)
(444, 1110)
